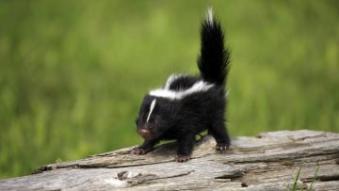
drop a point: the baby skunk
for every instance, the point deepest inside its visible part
(187, 105)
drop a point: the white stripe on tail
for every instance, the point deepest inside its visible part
(210, 16)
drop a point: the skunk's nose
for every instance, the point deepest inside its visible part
(145, 133)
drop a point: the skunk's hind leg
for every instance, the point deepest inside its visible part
(218, 130)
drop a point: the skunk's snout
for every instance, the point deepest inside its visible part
(145, 133)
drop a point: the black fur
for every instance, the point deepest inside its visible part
(214, 58)
(181, 119)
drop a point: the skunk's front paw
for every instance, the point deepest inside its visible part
(138, 151)
(222, 147)
(183, 158)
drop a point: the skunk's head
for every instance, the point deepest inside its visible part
(156, 115)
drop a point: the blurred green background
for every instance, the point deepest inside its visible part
(72, 73)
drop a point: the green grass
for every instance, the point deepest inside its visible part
(72, 73)
(304, 187)
(295, 181)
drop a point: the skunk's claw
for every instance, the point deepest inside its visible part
(222, 147)
(138, 151)
(183, 158)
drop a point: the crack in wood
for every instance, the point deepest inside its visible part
(236, 175)
(278, 158)
(323, 178)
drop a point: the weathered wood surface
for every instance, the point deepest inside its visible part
(269, 161)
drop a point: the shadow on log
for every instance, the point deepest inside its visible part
(269, 161)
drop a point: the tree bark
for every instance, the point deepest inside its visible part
(270, 161)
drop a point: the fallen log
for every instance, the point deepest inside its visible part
(283, 160)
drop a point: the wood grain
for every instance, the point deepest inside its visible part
(269, 161)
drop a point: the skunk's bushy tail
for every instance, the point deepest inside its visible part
(213, 61)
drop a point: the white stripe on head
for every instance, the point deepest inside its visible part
(210, 16)
(151, 108)
(199, 86)
(171, 79)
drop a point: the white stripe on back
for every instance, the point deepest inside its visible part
(151, 108)
(199, 86)
(171, 79)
